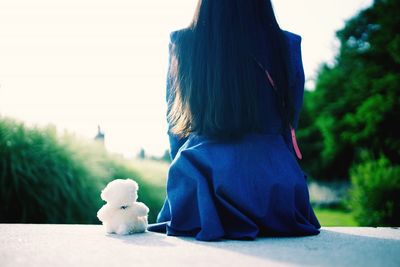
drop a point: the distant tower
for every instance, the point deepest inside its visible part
(141, 154)
(100, 135)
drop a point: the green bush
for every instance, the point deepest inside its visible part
(375, 193)
(48, 178)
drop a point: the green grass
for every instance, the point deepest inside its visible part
(335, 217)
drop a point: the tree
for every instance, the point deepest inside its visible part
(356, 102)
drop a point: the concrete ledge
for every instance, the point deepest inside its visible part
(88, 245)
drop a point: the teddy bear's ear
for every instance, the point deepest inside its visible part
(132, 183)
(104, 194)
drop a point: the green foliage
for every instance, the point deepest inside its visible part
(46, 178)
(375, 193)
(356, 102)
(310, 137)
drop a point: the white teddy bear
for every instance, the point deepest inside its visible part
(122, 215)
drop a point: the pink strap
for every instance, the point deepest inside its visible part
(292, 131)
(294, 142)
(270, 80)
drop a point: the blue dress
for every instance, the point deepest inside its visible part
(245, 188)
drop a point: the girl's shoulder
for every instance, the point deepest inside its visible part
(175, 35)
(293, 38)
(295, 54)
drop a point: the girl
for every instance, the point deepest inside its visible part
(234, 91)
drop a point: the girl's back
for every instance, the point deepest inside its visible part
(247, 182)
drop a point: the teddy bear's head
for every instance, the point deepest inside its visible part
(120, 192)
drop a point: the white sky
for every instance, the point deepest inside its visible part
(80, 63)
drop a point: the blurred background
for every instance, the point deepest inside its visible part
(82, 102)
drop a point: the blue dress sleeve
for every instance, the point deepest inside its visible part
(175, 141)
(297, 78)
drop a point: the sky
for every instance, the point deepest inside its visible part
(78, 64)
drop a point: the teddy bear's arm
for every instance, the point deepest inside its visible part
(141, 209)
(102, 214)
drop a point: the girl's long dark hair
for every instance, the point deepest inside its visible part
(214, 90)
